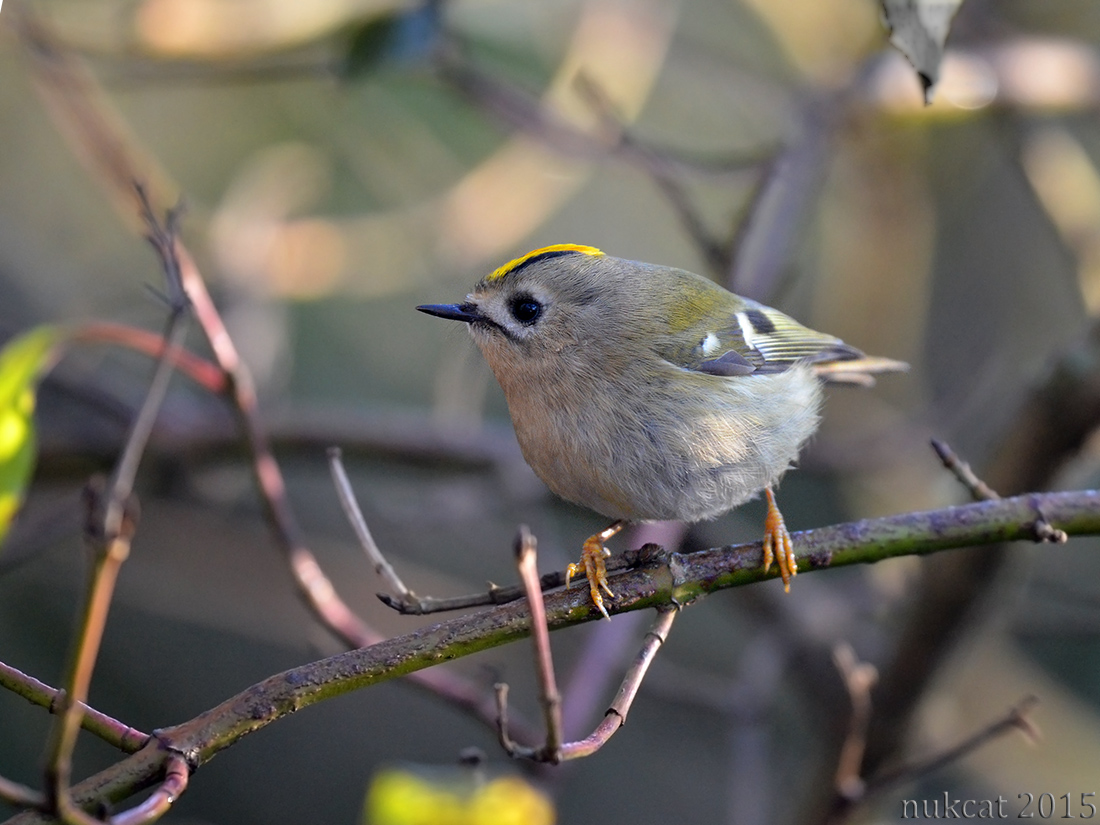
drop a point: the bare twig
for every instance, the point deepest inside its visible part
(111, 522)
(713, 251)
(318, 591)
(609, 646)
(522, 111)
(616, 714)
(176, 776)
(359, 524)
(1015, 719)
(163, 240)
(552, 750)
(123, 737)
(425, 605)
(1043, 530)
(854, 794)
(549, 697)
(21, 796)
(97, 133)
(683, 578)
(979, 490)
(859, 678)
(199, 370)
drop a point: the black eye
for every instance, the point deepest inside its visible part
(525, 309)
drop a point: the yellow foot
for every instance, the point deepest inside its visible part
(592, 565)
(777, 542)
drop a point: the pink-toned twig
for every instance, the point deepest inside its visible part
(549, 697)
(859, 678)
(109, 528)
(176, 776)
(552, 750)
(616, 714)
(111, 731)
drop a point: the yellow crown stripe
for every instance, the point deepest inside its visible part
(556, 249)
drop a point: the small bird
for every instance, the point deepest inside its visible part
(648, 393)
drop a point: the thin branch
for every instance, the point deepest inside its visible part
(1015, 719)
(318, 591)
(682, 579)
(859, 678)
(552, 750)
(176, 776)
(199, 370)
(426, 605)
(314, 586)
(110, 730)
(979, 490)
(359, 524)
(549, 696)
(522, 111)
(616, 714)
(716, 255)
(853, 795)
(597, 667)
(110, 526)
(163, 241)
(21, 796)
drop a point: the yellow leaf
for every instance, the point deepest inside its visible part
(22, 361)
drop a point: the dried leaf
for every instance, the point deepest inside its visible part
(918, 29)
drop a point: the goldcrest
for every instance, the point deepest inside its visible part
(648, 393)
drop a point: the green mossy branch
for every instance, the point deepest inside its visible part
(666, 579)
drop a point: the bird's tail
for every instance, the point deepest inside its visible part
(860, 371)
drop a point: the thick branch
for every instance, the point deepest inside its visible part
(678, 580)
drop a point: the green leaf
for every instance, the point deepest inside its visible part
(22, 361)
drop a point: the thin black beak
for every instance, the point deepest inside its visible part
(455, 312)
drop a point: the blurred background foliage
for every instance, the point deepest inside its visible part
(345, 160)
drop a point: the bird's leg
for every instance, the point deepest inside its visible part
(777, 542)
(592, 564)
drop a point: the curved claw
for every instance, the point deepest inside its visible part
(592, 565)
(777, 543)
